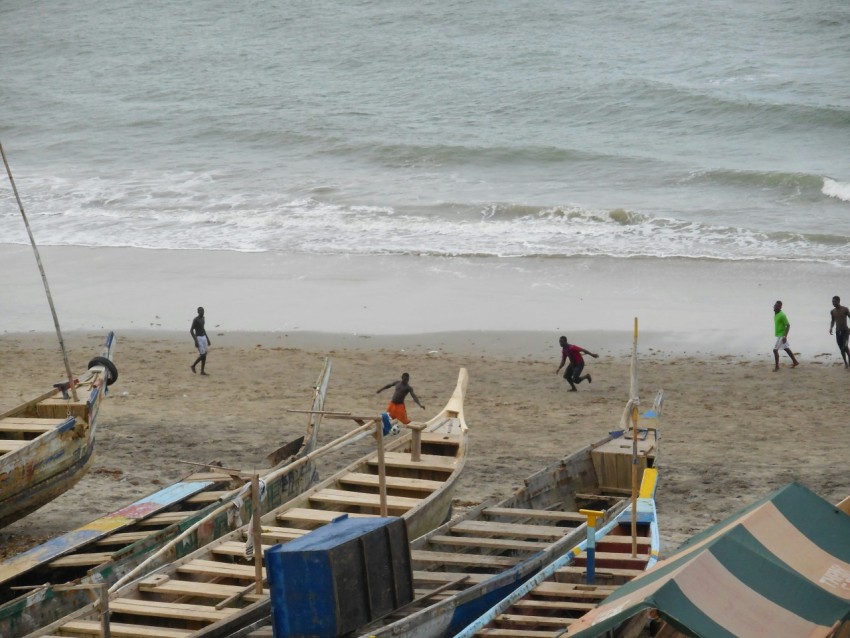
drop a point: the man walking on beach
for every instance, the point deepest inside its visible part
(838, 318)
(573, 372)
(781, 326)
(202, 341)
(396, 407)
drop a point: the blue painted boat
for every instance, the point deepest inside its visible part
(567, 588)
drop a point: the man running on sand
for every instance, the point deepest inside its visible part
(396, 407)
(573, 372)
(838, 318)
(781, 326)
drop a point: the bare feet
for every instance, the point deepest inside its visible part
(572, 390)
(776, 369)
(193, 369)
(204, 374)
(795, 364)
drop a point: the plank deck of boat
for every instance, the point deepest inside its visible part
(512, 529)
(393, 482)
(549, 515)
(159, 609)
(306, 515)
(454, 559)
(433, 462)
(218, 569)
(11, 445)
(489, 543)
(120, 630)
(363, 499)
(34, 425)
(193, 588)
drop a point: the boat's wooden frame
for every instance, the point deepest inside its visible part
(46, 444)
(110, 547)
(470, 564)
(546, 605)
(211, 592)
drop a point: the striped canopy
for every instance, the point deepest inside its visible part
(780, 567)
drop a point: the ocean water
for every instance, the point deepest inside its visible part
(701, 130)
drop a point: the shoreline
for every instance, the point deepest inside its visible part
(684, 306)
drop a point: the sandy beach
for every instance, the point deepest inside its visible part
(732, 430)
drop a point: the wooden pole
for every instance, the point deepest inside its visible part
(382, 470)
(104, 610)
(416, 442)
(634, 445)
(71, 383)
(257, 532)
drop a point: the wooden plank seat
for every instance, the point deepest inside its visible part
(120, 630)
(204, 498)
(164, 519)
(617, 560)
(441, 438)
(32, 425)
(546, 515)
(573, 590)
(422, 577)
(516, 633)
(362, 499)
(123, 538)
(457, 559)
(274, 535)
(177, 587)
(315, 517)
(555, 605)
(431, 462)
(491, 528)
(11, 445)
(601, 572)
(86, 559)
(489, 543)
(533, 621)
(158, 609)
(393, 482)
(219, 569)
(614, 543)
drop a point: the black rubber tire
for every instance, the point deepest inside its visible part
(111, 370)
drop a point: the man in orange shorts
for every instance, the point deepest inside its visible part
(396, 407)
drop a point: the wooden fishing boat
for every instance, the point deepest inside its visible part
(468, 565)
(568, 588)
(110, 547)
(46, 444)
(213, 591)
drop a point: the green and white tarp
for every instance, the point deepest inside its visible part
(779, 568)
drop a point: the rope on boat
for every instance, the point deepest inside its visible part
(71, 383)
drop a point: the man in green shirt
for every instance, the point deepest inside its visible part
(781, 326)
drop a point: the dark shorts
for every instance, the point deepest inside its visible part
(841, 337)
(573, 371)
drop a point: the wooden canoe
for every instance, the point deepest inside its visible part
(46, 444)
(211, 591)
(111, 546)
(561, 593)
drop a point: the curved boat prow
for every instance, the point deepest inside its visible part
(454, 407)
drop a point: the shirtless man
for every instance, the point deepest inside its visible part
(202, 341)
(396, 407)
(838, 318)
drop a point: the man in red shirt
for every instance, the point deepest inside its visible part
(574, 369)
